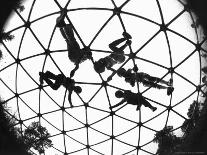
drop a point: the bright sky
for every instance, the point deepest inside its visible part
(153, 59)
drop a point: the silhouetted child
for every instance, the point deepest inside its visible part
(116, 57)
(146, 79)
(75, 54)
(59, 80)
(133, 99)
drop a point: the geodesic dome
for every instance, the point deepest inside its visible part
(166, 43)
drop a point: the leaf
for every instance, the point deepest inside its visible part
(37, 137)
(204, 69)
(6, 36)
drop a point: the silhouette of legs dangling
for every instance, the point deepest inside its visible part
(59, 80)
(116, 57)
(60, 20)
(48, 77)
(144, 102)
(75, 54)
(150, 81)
(133, 99)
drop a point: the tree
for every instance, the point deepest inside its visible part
(10, 141)
(194, 139)
(18, 5)
(6, 36)
(204, 55)
(204, 69)
(37, 137)
(167, 141)
(193, 115)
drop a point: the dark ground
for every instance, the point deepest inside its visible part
(5, 9)
(196, 141)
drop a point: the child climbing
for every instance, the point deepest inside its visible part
(146, 79)
(116, 57)
(59, 80)
(133, 99)
(75, 53)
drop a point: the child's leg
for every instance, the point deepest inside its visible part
(54, 86)
(60, 20)
(151, 78)
(68, 35)
(63, 34)
(68, 29)
(164, 82)
(118, 104)
(114, 44)
(118, 51)
(49, 75)
(146, 103)
(69, 97)
(74, 70)
(128, 42)
(152, 84)
(138, 106)
(170, 90)
(60, 80)
(126, 35)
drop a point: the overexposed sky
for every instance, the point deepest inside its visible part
(142, 20)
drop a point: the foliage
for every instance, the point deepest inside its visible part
(199, 8)
(204, 55)
(13, 142)
(6, 36)
(204, 69)
(168, 143)
(1, 54)
(195, 139)
(193, 115)
(19, 6)
(37, 137)
(166, 140)
(10, 143)
(195, 25)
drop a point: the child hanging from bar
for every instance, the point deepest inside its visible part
(133, 99)
(75, 54)
(146, 79)
(116, 57)
(59, 80)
